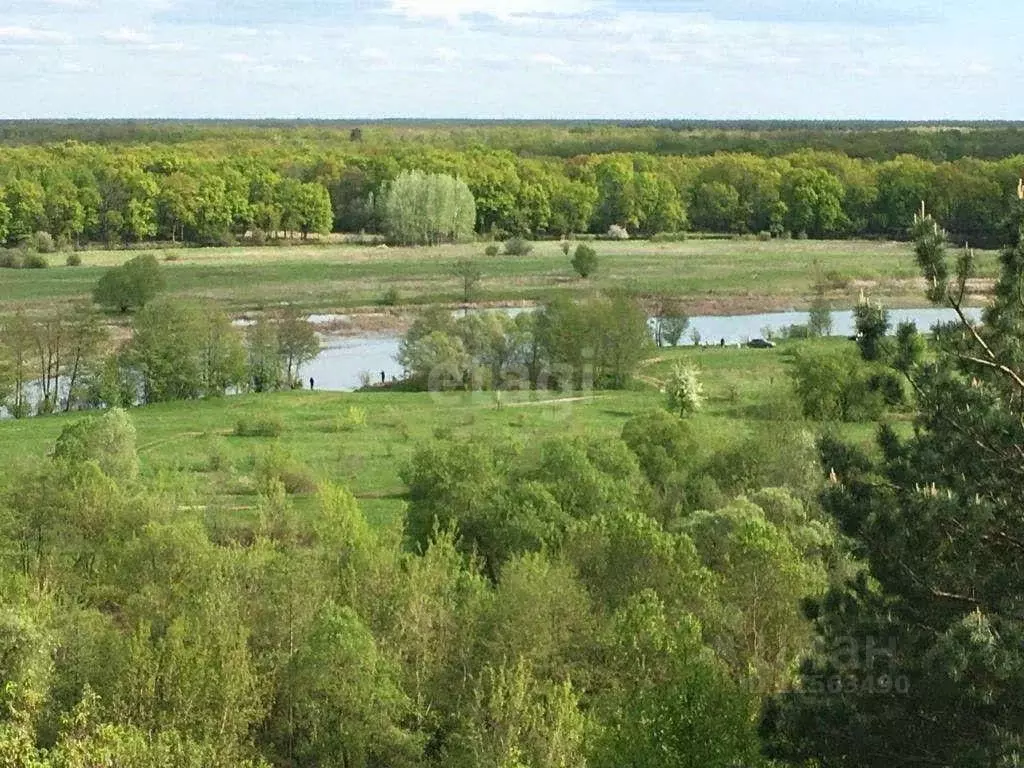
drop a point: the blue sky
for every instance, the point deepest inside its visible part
(910, 60)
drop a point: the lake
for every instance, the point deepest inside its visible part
(344, 361)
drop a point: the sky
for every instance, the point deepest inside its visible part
(512, 59)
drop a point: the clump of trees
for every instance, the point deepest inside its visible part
(594, 342)
(427, 209)
(855, 384)
(177, 351)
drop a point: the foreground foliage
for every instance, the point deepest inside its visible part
(921, 654)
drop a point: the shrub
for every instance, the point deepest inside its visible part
(836, 281)
(518, 246)
(10, 260)
(261, 426)
(566, 246)
(764, 236)
(42, 242)
(171, 256)
(34, 261)
(108, 439)
(390, 298)
(616, 232)
(217, 459)
(351, 419)
(354, 417)
(584, 261)
(74, 259)
(276, 466)
(492, 250)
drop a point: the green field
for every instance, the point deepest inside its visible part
(193, 443)
(722, 276)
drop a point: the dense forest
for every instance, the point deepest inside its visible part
(70, 184)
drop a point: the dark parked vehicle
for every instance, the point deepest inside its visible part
(760, 344)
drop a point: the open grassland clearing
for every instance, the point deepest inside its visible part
(709, 276)
(363, 439)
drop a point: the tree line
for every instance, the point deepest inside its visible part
(212, 192)
(67, 360)
(874, 140)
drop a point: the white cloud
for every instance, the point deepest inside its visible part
(238, 58)
(447, 54)
(505, 10)
(165, 47)
(556, 62)
(129, 36)
(32, 35)
(374, 54)
(548, 58)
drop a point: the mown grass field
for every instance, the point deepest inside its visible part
(192, 445)
(711, 276)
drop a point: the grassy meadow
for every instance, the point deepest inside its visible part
(719, 276)
(363, 439)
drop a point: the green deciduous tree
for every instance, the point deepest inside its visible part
(297, 341)
(426, 209)
(129, 286)
(181, 351)
(305, 208)
(468, 275)
(814, 202)
(107, 439)
(346, 704)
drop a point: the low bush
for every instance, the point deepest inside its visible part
(42, 242)
(836, 280)
(260, 426)
(74, 259)
(390, 298)
(34, 261)
(616, 232)
(584, 261)
(353, 418)
(492, 250)
(518, 246)
(277, 466)
(10, 260)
